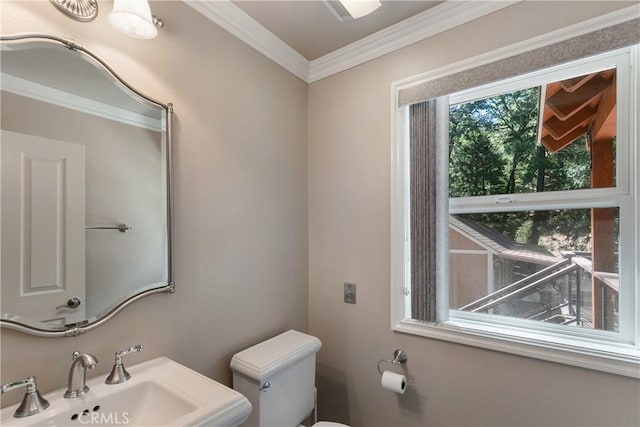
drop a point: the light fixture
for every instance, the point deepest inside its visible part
(346, 10)
(80, 10)
(133, 18)
(360, 8)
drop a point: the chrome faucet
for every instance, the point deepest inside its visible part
(77, 374)
(32, 402)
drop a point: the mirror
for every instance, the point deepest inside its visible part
(85, 173)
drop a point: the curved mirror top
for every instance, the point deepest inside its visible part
(85, 189)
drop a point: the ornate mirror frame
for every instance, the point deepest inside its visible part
(35, 328)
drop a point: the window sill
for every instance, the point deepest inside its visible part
(607, 357)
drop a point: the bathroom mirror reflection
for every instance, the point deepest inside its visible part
(85, 201)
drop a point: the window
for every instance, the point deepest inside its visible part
(540, 252)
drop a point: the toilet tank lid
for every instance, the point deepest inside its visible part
(267, 358)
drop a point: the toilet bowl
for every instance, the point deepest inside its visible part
(278, 377)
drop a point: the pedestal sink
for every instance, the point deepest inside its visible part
(160, 392)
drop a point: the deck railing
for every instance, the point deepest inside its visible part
(571, 309)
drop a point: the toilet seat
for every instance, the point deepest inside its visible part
(328, 424)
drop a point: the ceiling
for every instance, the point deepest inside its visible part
(313, 30)
(307, 39)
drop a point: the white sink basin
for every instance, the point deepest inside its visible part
(160, 392)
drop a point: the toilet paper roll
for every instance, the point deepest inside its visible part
(394, 382)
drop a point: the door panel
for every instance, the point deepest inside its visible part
(43, 220)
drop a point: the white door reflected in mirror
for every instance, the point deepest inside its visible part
(43, 238)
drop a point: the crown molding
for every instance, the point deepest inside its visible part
(426, 24)
(64, 99)
(432, 21)
(238, 23)
(438, 19)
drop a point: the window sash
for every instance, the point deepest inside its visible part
(626, 305)
(620, 60)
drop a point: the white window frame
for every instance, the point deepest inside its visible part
(612, 352)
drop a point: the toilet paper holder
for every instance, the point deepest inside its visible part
(399, 358)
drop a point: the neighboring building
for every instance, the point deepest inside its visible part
(483, 260)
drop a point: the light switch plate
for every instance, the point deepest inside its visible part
(350, 293)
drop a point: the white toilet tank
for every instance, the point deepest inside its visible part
(278, 377)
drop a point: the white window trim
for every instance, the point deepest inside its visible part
(598, 350)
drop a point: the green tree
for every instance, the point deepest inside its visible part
(475, 162)
(494, 149)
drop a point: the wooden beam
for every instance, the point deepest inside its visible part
(558, 128)
(604, 125)
(566, 104)
(555, 145)
(602, 233)
(571, 85)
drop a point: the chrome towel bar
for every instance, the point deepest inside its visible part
(123, 228)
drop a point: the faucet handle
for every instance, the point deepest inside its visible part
(118, 373)
(32, 402)
(126, 351)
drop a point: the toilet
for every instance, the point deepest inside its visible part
(278, 377)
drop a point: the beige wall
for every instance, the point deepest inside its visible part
(240, 205)
(349, 223)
